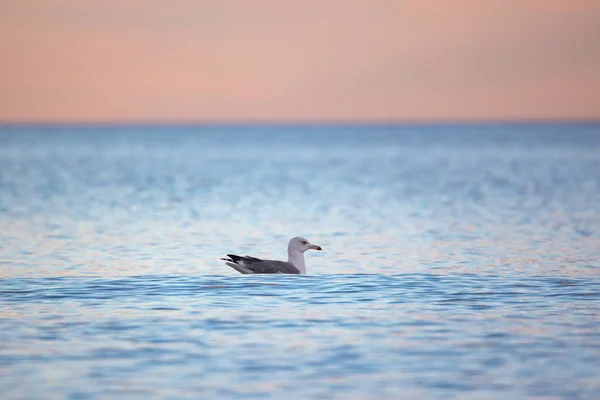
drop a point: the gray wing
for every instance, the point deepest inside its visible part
(252, 265)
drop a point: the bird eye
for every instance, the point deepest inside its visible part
(304, 242)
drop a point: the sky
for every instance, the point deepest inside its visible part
(298, 60)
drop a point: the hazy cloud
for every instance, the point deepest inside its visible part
(269, 59)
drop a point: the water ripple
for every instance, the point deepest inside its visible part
(459, 262)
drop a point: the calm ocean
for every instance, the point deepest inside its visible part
(459, 262)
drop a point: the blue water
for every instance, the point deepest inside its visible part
(459, 262)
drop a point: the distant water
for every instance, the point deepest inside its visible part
(459, 262)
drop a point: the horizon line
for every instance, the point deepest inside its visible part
(305, 122)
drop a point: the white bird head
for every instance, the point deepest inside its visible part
(300, 245)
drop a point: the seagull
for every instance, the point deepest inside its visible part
(294, 265)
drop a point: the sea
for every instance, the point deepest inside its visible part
(460, 261)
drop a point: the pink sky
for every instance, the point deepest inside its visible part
(303, 60)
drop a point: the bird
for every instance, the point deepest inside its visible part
(294, 265)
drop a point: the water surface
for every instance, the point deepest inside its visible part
(459, 262)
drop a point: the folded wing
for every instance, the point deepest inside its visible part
(253, 265)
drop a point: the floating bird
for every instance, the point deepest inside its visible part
(294, 265)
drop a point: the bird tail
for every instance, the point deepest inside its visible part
(233, 258)
(233, 262)
(239, 268)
